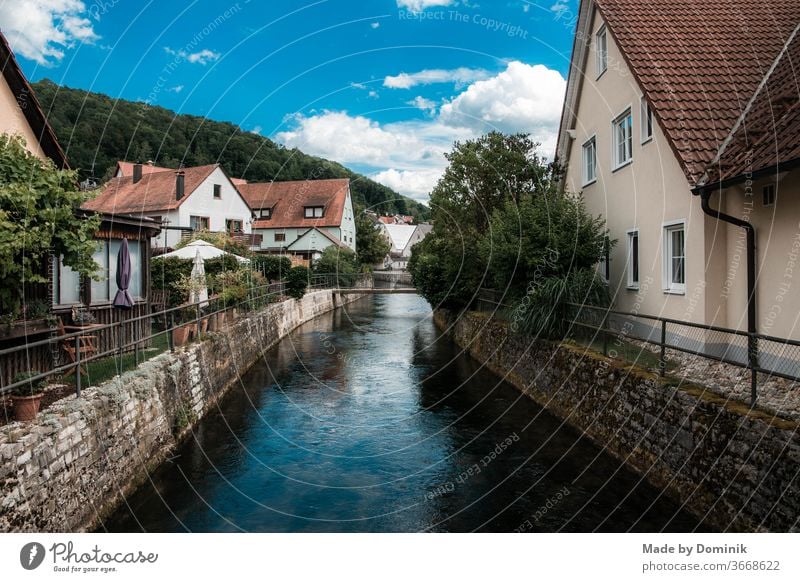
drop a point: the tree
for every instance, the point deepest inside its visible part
(371, 245)
(339, 262)
(39, 215)
(273, 267)
(297, 282)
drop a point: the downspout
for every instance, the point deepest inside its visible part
(752, 342)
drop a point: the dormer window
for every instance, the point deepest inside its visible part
(266, 213)
(313, 211)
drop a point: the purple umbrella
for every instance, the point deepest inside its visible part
(123, 299)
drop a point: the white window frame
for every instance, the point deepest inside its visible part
(633, 258)
(601, 56)
(615, 123)
(667, 256)
(647, 122)
(765, 201)
(587, 180)
(316, 212)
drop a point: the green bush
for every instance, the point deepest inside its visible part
(297, 282)
(341, 263)
(166, 275)
(273, 267)
(220, 264)
(31, 387)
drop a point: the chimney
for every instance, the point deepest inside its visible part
(179, 184)
(137, 172)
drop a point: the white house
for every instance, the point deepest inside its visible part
(199, 198)
(402, 237)
(302, 218)
(680, 128)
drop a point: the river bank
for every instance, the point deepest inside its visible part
(733, 466)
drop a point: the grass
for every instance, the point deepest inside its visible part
(100, 371)
(629, 352)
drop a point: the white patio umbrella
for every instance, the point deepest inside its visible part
(206, 250)
(199, 289)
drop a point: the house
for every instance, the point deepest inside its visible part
(198, 198)
(680, 128)
(402, 237)
(302, 218)
(20, 113)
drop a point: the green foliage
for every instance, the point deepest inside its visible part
(546, 312)
(221, 240)
(500, 222)
(165, 275)
(39, 207)
(221, 264)
(31, 387)
(371, 245)
(273, 267)
(297, 282)
(341, 263)
(101, 130)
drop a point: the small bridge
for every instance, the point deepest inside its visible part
(377, 283)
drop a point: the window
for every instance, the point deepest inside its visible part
(768, 195)
(623, 139)
(313, 211)
(633, 259)
(647, 121)
(66, 285)
(233, 225)
(675, 258)
(589, 162)
(266, 213)
(601, 48)
(217, 191)
(198, 222)
(280, 237)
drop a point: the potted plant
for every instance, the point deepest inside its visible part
(27, 397)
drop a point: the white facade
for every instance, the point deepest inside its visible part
(201, 203)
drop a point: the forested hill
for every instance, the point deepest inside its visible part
(94, 128)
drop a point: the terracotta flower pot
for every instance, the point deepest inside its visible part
(180, 335)
(26, 407)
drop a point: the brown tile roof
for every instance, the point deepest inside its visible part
(153, 193)
(699, 62)
(288, 200)
(766, 136)
(23, 92)
(127, 168)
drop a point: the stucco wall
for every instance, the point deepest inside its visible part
(12, 118)
(71, 466)
(736, 466)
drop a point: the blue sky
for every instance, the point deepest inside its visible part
(383, 86)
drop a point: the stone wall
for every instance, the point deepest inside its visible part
(736, 466)
(71, 467)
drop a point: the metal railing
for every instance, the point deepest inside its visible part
(166, 321)
(758, 353)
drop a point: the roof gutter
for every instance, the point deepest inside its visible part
(752, 345)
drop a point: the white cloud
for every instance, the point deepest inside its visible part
(40, 30)
(358, 85)
(422, 103)
(409, 155)
(257, 130)
(416, 184)
(559, 6)
(523, 98)
(373, 95)
(375, 25)
(176, 89)
(202, 57)
(420, 5)
(460, 76)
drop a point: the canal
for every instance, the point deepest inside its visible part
(365, 420)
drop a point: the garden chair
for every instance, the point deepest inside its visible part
(87, 345)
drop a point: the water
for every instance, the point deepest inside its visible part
(366, 420)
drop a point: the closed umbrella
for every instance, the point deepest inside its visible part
(199, 289)
(123, 299)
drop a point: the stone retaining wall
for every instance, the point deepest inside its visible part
(736, 466)
(71, 467)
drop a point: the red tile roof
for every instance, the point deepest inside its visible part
(153, 193)
(127, 168)
(766, 136)
(699, 62)
(288, 200)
